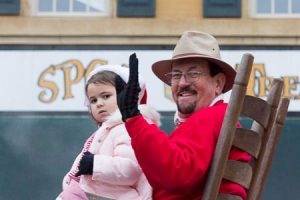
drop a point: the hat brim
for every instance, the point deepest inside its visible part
(162, 67)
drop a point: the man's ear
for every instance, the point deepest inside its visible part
(220, 79)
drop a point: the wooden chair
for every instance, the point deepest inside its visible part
(259, 141)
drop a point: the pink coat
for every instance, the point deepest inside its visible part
(116, 172)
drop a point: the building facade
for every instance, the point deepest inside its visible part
(159, 22)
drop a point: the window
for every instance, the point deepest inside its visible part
(275, 8)
(71, 7)
(136, 8)
(222, 8)
(11, 7)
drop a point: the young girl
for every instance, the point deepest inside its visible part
(107, 168)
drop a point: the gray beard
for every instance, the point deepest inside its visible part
(186, 109)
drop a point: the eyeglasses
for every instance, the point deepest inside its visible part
(190, 76)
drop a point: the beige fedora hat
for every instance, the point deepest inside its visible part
(194, 44)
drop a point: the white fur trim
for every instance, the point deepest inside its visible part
(150, 114)
(114, 118)
(118, 69)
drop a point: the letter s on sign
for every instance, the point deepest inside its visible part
(49, 85)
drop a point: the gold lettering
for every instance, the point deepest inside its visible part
(256, 85)
(290, 83)
(92, 65)
(67, 67)
(260, 84)
(268, 82)
(49, 85)
(261, 89)
(265, 83)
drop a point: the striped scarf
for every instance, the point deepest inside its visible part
(86, 147)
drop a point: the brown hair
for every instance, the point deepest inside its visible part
(214, 69)
(104, 77)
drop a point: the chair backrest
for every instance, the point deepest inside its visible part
(259, 141)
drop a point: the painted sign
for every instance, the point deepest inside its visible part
(49, 80)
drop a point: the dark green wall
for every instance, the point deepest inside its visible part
(37, 151)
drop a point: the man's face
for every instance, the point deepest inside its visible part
(194, 94)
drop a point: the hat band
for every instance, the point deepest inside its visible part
(191, 54)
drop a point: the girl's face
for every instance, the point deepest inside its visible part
(103, 100)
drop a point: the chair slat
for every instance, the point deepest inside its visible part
(256, 109)
(247, 140)
(265, 162)
(238, 172)
(228, 197)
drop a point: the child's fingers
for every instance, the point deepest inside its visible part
(87, 153)
(133, 68)
(119, 84)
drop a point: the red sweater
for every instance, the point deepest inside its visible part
(176, 166)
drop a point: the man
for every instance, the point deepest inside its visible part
(177, 166)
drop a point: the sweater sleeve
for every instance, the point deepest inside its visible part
(179, 162)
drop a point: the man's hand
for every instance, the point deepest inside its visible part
(128, 96)
(86, 164)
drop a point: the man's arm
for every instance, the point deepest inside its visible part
(177, 163)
